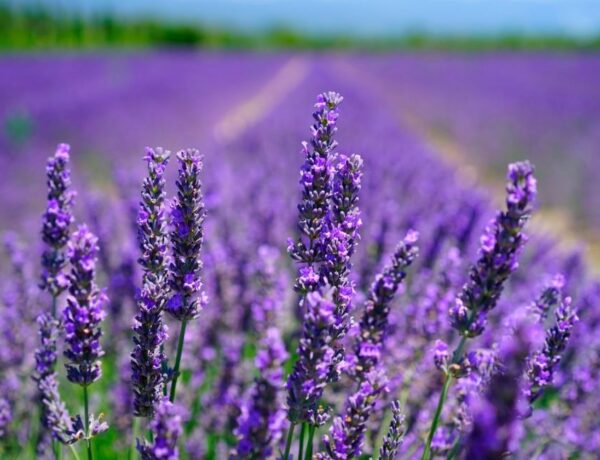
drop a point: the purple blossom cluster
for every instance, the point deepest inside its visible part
(57, 221)
(149, 329)
(500, 247)
(187, 235)
(84, 311)
(166, 430)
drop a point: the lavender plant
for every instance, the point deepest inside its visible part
(347, 432)
(150, 332)
(82, 318)
(56, 223)
(187, 219)
(395, 434)
(501, 245)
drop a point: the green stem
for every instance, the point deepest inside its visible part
(86, 411)
(455, 449)
(288, 443)
(178, 360)
(301, 443)
(456, 356)
(162, 353)
(134, 434)
(74, 452)
(436, 418)
(309, 446)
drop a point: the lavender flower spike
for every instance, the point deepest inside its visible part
(166, 429)
(347, 431)
(260, 424)
(57, 220)
(55, 417)
(541, 366)
(149, 330)
(373, 324)
(315, 179)
(187, 217)
(315, 358)
(341, 237)
(395, 435)
(500, 247)
(6, 417)
(84, 310)
(346, 435)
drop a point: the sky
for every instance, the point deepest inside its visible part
(375, 18)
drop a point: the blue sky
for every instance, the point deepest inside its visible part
(370, 17)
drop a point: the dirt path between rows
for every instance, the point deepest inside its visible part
(246, 114)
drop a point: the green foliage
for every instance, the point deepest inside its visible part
(36, 27)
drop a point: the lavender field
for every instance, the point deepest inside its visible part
(183, 277)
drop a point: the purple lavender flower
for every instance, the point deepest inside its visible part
(260, 424)
(56, 221)
(315, 179)
(149, 330)
(339, 243)
(500, 247)
(187, 236)
(395, 435)
(347, 432)
(166, 430)
(5, 417)
(187, 219)
(344, 198)
(55, 417)
(346, 435)
(374, 322)
(84, 311)
(307, 381)
(541, 366)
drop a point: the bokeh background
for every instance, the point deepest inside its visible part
(481, 82)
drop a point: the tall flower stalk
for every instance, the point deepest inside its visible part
(347, 431)
(501, 245)
(56, 228)
(149, 330)
(542, 364)
(328, 232)
(395, 435)
(187, 236)
(55, 417)
(82, 317)
(56, 224)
